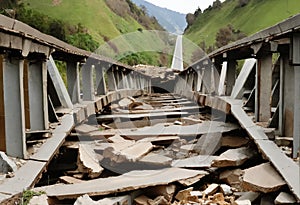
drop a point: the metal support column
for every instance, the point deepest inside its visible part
(38, 98)
(87, 82)
(100, 79)
(73, 81)
(230, 76)
(264, 88)
(14, 107)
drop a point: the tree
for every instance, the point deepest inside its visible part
(217, 4)
(190, 19)
(243, 3)
(228, 34)
(224, 36)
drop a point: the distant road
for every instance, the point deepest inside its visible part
(177, 62)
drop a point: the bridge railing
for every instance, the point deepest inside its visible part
(31, 84)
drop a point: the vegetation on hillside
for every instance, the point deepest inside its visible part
(225, 22)
(86, 24)
(76, 35)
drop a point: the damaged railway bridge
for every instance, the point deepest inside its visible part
(214, 138)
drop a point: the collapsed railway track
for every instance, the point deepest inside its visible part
(135, 149)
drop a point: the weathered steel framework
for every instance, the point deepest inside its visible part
(268, 83)
(31, 85)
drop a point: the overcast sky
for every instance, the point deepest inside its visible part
(182, 6)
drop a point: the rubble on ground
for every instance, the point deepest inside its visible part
(165, 159)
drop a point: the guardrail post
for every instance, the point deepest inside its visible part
(73, 81)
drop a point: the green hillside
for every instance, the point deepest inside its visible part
(255, 16)
(102, 23)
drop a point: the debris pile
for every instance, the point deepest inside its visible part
(162, 149)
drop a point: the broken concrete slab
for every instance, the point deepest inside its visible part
(208, 143)
(232, 177)
(39, 200)
(156, 159)
(234, 157)
(130, 153)
(116, 138)
(285, 198)
(69, 180)
(201, 161)
(192, 180)
(234, 141)
(123, 183)
(84, 128)
(268, 180)
(211, 189)
(88, 161)
(6, 164)
(125, 102)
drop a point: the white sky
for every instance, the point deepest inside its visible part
(182, 6)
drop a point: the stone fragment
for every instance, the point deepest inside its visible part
(185, 197)
(242, 202)
(211, 189)
(125, 102)
(232, 177)
(184, 194)
(158, 200)
(167, 191)
(86, 200)
(252, 196)
(262, 178)
(39, 200)
(116, 138)
(285, 198)
(208, 144)
(141, 200)
(129, 153)
(234, 141)
(226, 190)
(233, 157)
(6, 164)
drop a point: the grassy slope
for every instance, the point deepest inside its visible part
(93, 14)
(257, 15)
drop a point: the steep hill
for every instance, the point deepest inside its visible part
(104, 19)
(246, 16)
(172, 21)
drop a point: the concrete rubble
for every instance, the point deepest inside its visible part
(166, 159)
